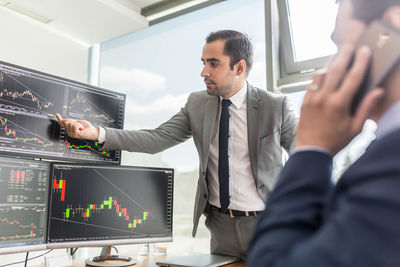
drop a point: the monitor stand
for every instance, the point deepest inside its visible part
(105, 259)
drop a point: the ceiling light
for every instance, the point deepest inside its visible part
(30, 13)
(175, 9)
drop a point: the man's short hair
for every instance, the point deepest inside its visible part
(237, 46)
(368, 10)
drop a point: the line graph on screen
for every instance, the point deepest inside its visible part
(23, 133)
(17, 96)
(18, 223)
(93, 108)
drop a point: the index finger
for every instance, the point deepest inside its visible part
(354, 78)
(337, 68)
(59, 118)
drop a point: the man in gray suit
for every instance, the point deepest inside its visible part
(239, 163)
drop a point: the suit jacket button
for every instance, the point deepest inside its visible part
(205, 196)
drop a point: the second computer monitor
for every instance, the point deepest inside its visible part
(92, 205)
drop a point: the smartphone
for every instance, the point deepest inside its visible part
(384, 42)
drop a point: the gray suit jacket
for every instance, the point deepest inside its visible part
(270, 123)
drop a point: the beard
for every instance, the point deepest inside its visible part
(213, 91)
(212, 87)
(218, 90)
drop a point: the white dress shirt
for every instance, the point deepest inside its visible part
(242, 187)
(102, 135)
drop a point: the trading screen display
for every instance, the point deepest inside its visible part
(23, 202)
(93, 203)
(29, 101)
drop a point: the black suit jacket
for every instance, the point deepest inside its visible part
(309, 222)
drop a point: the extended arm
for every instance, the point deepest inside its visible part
(176, 130)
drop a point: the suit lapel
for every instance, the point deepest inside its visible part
(210, 115)
(254, 107)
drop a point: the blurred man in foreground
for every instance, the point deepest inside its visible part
(308, 221)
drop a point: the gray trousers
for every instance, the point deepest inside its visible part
(229, 236)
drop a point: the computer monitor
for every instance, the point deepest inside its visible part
(23, 204)
(30, 99)
(99, 205)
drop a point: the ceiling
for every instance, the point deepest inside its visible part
(89, 21)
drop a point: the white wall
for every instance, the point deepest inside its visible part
(30, 44)
(27, 43)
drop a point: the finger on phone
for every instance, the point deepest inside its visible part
(356, 74)
(338, 68)
(315, 85)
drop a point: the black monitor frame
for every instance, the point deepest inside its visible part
(35, 117)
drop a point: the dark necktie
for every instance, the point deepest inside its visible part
(223, 163)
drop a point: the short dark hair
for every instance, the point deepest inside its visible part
(237, 46)
(368, 10)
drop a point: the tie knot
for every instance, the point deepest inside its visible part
(226, 103)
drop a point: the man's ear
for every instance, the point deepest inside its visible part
(392, 15)
(241, 67)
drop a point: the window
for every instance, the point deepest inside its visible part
(157, 68)
(305, 44)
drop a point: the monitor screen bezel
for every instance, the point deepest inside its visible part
(106, 242)
(90, 88)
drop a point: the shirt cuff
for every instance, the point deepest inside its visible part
(102, 135)
(312, 148)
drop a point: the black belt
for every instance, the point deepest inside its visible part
(234, 213)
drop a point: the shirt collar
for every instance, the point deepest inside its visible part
(390, 121)
(238, 98)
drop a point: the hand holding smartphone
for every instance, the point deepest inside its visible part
(384, 42)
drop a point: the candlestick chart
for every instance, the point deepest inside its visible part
(109, 202)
